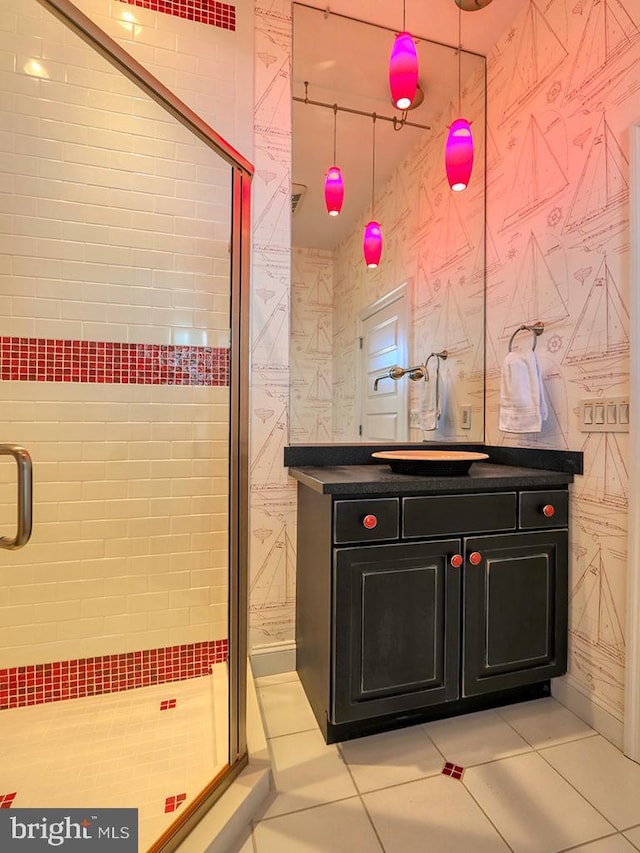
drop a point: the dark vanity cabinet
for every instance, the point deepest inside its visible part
(418, 606)
(514, 610)
(395, 629)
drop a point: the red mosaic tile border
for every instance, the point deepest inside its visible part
(173, 803)
(456, 771)
(72, 679)
(6, 800)
(212, 12)
(51, 360)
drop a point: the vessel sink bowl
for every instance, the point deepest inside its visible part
(439, 463)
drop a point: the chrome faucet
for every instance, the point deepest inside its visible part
(418, 371)
(415, 373)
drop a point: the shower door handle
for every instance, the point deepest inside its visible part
(25, 496)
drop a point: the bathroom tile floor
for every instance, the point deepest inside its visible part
(536, 779)
(133, 749)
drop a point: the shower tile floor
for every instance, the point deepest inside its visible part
(528, 778)
(143, 748)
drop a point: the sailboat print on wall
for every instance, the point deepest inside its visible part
(275, 99)
(487, 261)
(606, 478)
(596, 620)
(320, 429)
(452, 242)
(320, 293)
(608, 33)
(272, 588)
(267, 468)
(538, 54)
(451, 331)
(494, 156)
(602, 375)
(603, 186)
(485, 363)
(313, 426)
(425, 205)
(398, 201)
(319, 338)
(299, 314)
(267, 347)
(537, 295)
(538, 177)
(423, 294)
(602, 329)
(274, 215)
(319, 387)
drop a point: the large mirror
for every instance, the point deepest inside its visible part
(350, 324)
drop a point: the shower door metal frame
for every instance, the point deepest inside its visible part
(242, 174)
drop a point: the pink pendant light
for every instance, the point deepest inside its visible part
(403, 71)
(372, 244)
(458, 154)
(372, 241)
(333, 191)
(333, 181)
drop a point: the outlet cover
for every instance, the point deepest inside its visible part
(465, 417)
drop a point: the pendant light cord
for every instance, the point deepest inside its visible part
(335, 121)
(404, 16)
(459, 60)
(373, 169)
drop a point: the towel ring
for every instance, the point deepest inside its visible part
(444, 355)
(438, 357)
(536, 328)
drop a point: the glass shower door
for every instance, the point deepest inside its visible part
(115, 288)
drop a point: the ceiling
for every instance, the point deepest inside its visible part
(345, 63)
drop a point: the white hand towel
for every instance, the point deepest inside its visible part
(430, 406)
(445, 422)
(523, 406)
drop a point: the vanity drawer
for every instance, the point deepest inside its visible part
(444, 514)
(549, 508)
(366, 521)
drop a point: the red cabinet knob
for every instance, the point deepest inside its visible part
(475, 558)
(456, 561)
(548, 510)
(370, 521)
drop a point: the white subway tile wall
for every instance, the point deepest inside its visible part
(209, 68)
(115, 226)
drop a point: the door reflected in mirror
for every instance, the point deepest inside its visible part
(433, 241)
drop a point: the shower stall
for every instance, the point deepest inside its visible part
(124, 262)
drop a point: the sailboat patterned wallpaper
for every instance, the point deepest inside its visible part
(563, 92)
(311, 345)
(273, 495)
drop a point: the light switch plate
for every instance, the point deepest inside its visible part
(604, 414)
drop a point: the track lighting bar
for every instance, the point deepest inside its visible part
(398, 123)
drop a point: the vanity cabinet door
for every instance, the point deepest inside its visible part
(515, 610)
(395, 628)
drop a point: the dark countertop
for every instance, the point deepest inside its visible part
(379, 479)
(338, 455)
